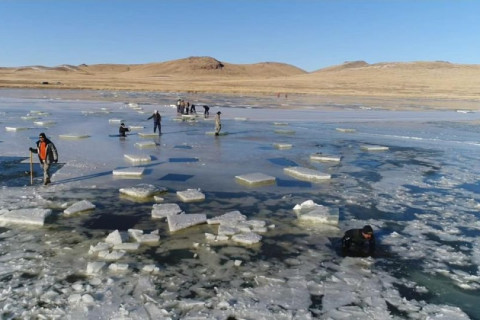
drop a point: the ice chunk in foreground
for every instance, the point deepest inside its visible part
(183, 221)
(373, 148)
(142, 191)
(32, 216)
(145, 144)
(316, 213)
(191, 195)
(247, 238)
(147, 135)
(114, 238)
(140, 237)
(137, 158)
(252, 179)
(163, 210)
(95, 267)
(306, 174)
(135, 171)
(324, 157)
(44, 123)
(281, 146)
(79, 206)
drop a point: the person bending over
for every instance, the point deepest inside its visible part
(359, 242)
(123, 130)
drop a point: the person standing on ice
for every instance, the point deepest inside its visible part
(157, 122)
(47, 154)
(218, 124)
(359, 242)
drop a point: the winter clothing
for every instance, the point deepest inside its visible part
(218, 124)
(359, 242)
(157, 119)
(47, 154)
(122, 130)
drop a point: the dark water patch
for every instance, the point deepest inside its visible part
(74, 277)
(283, 162)
(270, 248)
(421, 190)
(110, 221)
(183, 159)
(28, 275)
(182, 147)
(472, 187)
(367, 176)
(316, 305)
(170, 257)
(293, 183)
(394, 311)
(176, 177)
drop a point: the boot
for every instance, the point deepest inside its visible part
(47, 181)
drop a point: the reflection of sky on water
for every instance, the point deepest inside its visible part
(421, 196)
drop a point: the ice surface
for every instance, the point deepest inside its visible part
(114, 238)
(45, 123)
(255, 179)
(346, 130)
(138, 158)
(282, 146)
(142, 191)
(31, 216)
(247, 238)
(147, 135)
(163, 210)
(212, 133)
(373, 148)
(73, 136)
(191, 195)
(145, 144)
(284, 131)
(306, 174)
(182, 221)
(324, 157)
(79, 206)
(115, 121)
(133, 171)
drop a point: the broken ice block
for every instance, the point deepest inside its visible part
(73, 136)
(79, 206)
(316, 213)
(118, 267)
(232, 217)
(138, 158)
(247, 238)
(114, 238)
(256, 179)
(140, 237)
(282, 146)
(44, 123)
(95, 267)
(115, 121)
(13, 129)
(142, 191)
(127, 246)
(306, 174)
(163, 210)
(134, 171)
(147, 135)
(373, 148)
(191, 195)
(111, 256)
(32, 216)
(183, 221)
(346, 130)
(145, 144)
(324, 157)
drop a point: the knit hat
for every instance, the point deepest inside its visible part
(367, 229)
(42, 135)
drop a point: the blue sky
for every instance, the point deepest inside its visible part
(308, 34)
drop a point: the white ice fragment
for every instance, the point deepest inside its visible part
(142, 191)
(127, 246)
(210, 236)
(101, 246)
(373, 148)
(79, 206)
(145, 144)
(14, 129)
(247, 238)
(158, 199)
(221, 237)
(77, 287)
(324, 157)
(191, 195)
(183, 221)
(150, 268)
(115, 121)
(238, 263)
(163, 210)
(87, 299)
(114, 238)
(95, 267)
(147, 135)
(255, 179)
(45, 123)
(31, 216)
(306, 174)
(140, 237)
(316, 213)
(73, 136)
(111, 256)
(74, 298)
(138, 158)
(227, 230)
(345, 130)
(133, 171)
(118, 267)
(282, 146)
(231, 217)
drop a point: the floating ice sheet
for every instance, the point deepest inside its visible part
(33, 216)
(306, 174)
(115, 121)
(133, 171)
(247, 238)
(229, 217)
(44, 123)
(142, 191)
(147, 135)
(79, 206)
(346, 130)
(138, 158)
(324, 157)
(145, 144)
(316, 213)
(282, 146)
(366, 147)
(73, 136)
(163, 210)
(255, 179)
(182, 221)
(191, 195)
(147, 238)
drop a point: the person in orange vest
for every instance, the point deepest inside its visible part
(47, 154)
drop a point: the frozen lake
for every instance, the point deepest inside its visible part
(421, 196)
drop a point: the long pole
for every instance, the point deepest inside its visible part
(31, 168)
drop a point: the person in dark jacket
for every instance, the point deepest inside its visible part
(206, 112)
(47, 154)
(123, 130)
(157, 122)
(359, 242)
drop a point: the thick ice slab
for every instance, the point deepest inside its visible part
(79, 206)
(183, 221)
(282, 146)
(73, 136)
(247, 238)
(45, 123)
(14, 129)
(141, 237)
(191, 195)
(306, 174)
(33, 216)
(115, 121)
(366, 147)
(255, 179)
(133, 171)
(147, 135)
(142, 191)
(324, 157)
(284, 131)
(346, 130)
(145, 144)
(164, 210)
(229, 217)
(138, 158)
(317, 213)
(136, 128)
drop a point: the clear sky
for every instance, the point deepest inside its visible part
(308, 34)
